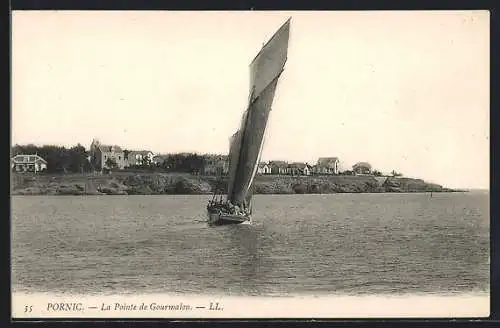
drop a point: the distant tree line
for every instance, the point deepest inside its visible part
(59, 159)
(182, 163)
(186, 163)
(75, 160)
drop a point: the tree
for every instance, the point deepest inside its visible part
(377, 173)
(111, 163)
(187, 163)
(146, 161)
(78, 159)
(195, 163)
(27, 149)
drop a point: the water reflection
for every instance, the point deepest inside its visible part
(244, 240)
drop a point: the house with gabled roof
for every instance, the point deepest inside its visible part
(28, 163)
(101, 155)
(216, 164)
(278, 167)
(299, 168)
(263, 168)
(327, 165)
(362, 168)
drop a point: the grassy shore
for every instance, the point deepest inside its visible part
(133, 183)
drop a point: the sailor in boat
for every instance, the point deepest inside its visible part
(215, 205)
(226, 207)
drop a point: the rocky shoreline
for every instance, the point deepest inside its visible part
(186, 184)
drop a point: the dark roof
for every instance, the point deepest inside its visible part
(28, 159)
(298, 165)
(327, 161)
(108, 148)
(278, 163)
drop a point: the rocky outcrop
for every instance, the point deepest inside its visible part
(410, 185)
(163, 183)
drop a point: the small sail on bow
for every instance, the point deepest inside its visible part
(246, 144)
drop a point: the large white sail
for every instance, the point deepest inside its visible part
(246, 144)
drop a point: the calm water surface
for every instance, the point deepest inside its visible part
(298, 244)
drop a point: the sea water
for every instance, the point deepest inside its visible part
(320, 245)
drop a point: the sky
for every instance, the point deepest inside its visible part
(401, 90)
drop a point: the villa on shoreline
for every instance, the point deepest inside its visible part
(104, 158)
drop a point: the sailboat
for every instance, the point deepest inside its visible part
(245, 146)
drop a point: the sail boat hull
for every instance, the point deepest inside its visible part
(218, 219)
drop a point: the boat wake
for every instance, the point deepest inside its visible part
(244, 223)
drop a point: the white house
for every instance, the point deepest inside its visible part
(216, 165)
(263, 168)
(28, 163)
(278, 167)
(139, 157)
(299, 169)
(327, 165)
